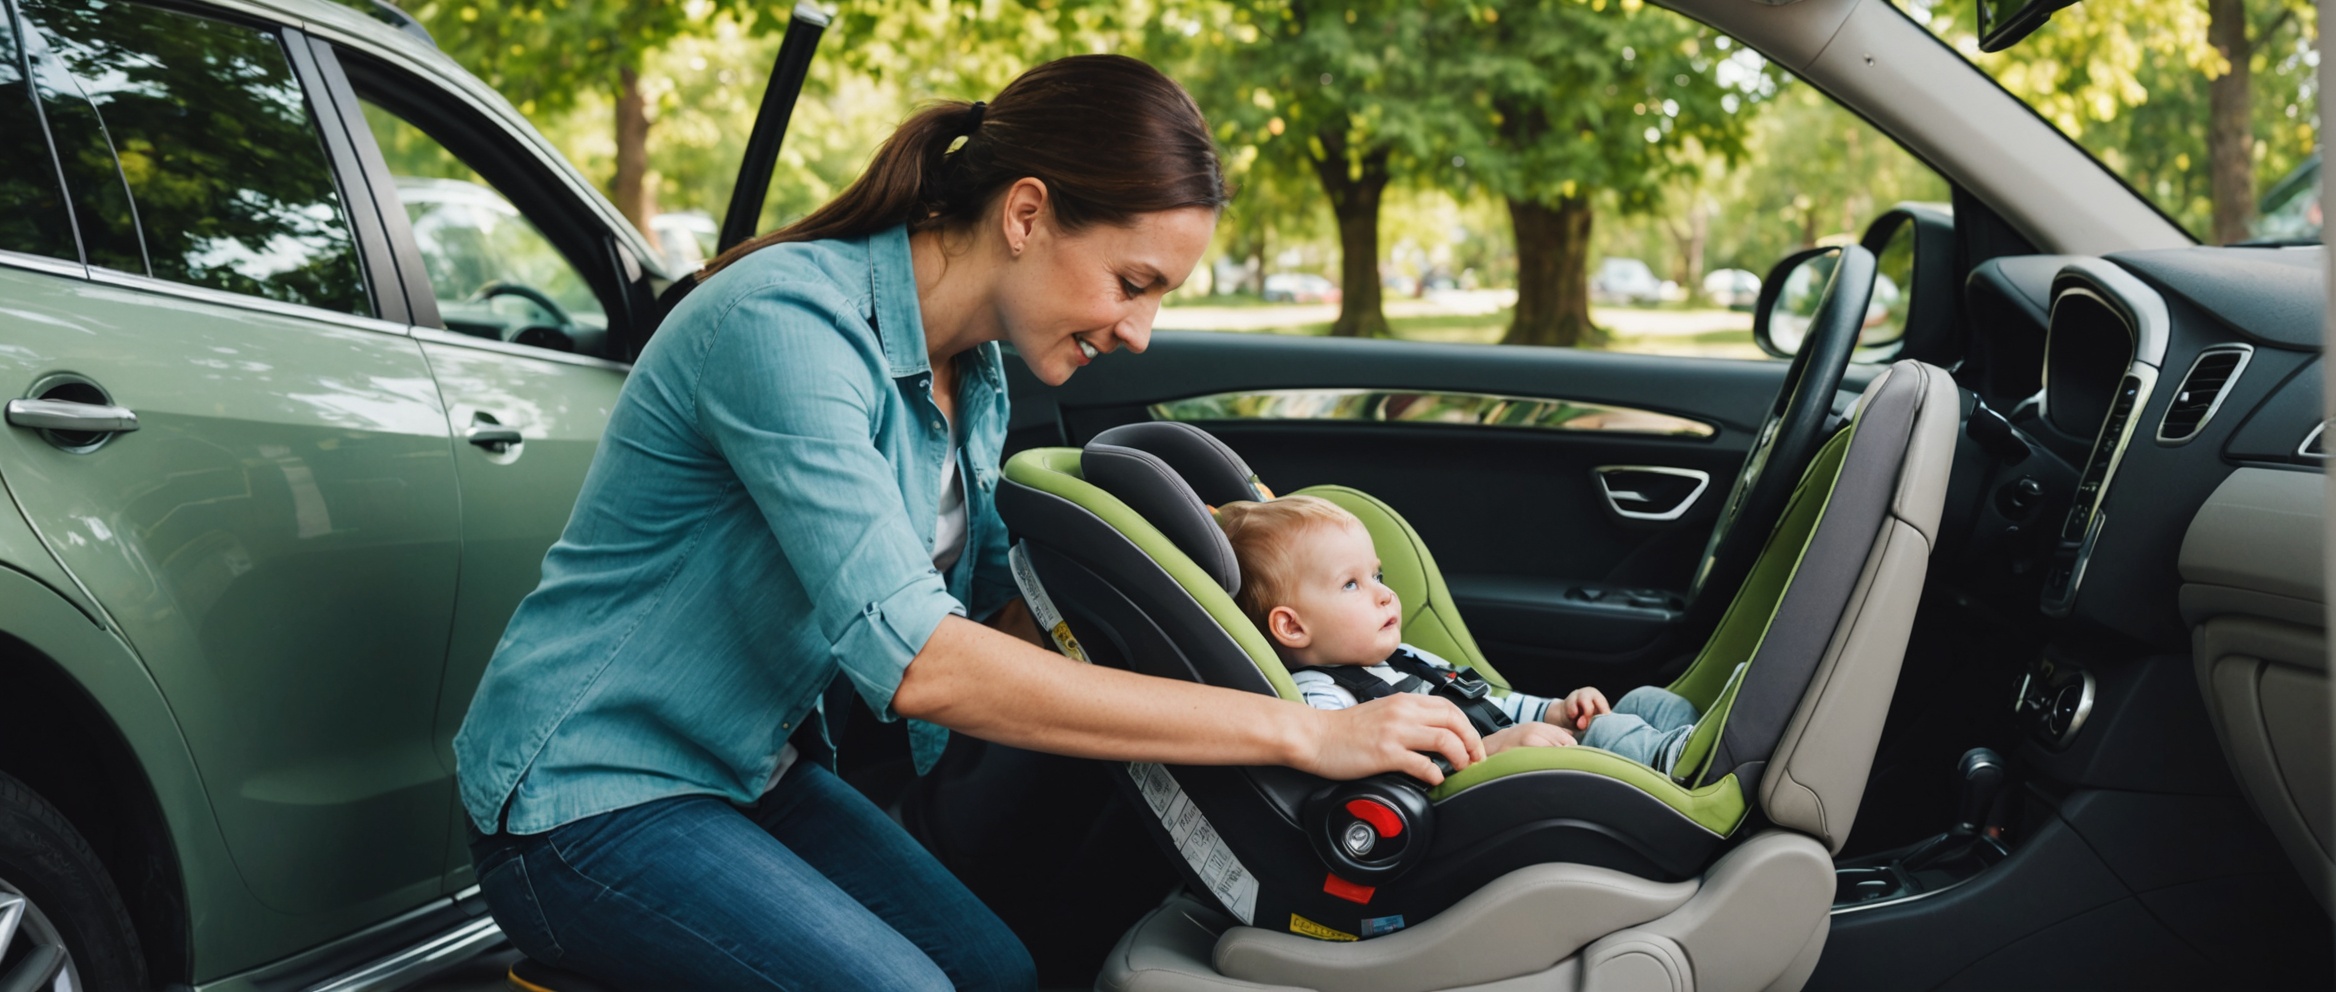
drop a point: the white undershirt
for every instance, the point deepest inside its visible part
(949, 530)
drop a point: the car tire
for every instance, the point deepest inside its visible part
(63, 897)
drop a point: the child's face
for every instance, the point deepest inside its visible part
(1340, 612)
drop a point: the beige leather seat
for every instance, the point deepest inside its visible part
(1756, 917)
(2254, 594)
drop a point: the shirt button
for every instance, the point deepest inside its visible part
(782, 726)
(936, 425)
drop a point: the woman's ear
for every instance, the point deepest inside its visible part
(1286, 629)
(1020, 212)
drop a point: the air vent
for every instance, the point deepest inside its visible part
(2201, 392)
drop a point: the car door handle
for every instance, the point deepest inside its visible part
(1651, 492)
(67, 415)
(497, 438)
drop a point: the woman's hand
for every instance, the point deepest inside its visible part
(1532, 733)
(1582, 704)
(1388, 734)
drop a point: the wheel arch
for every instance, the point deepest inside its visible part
(83, 725)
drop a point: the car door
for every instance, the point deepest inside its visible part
(529, 303)
(1567, 493)
(520, 314)
(223, 430)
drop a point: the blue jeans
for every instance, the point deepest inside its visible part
(812, 887)
(1648, 725)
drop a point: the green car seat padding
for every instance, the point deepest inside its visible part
(1059, 472)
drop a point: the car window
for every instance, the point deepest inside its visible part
(1626, 196)
(493, 272)
(32, 204)
(206, 127)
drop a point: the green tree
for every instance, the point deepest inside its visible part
(1571, 101)
(547, 55)
(2200, 104)
(1343, 94)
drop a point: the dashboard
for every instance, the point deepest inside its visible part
(2154, 376)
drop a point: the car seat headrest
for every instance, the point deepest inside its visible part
(1171, 474)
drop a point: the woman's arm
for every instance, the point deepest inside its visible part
(994, 686)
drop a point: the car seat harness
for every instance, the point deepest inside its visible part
(1466, 689)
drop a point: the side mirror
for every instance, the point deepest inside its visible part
(1915, 295)
(1789, 298)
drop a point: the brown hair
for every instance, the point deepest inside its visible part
(1264, 538)
(1110, 136)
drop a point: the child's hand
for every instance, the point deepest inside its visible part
(1582, 704)
(1530, 734)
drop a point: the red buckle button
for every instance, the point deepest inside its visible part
(1346, 890)
(1376, 814)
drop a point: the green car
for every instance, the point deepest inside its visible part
(307, 338)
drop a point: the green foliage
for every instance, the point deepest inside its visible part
(1568, 97)
(2127, 79)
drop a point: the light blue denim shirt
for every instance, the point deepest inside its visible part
(760, 516)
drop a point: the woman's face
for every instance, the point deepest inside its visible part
(1068, 297)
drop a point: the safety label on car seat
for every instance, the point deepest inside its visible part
(1206, 852)
(1041, 606)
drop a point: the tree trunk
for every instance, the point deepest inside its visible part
(1690, 238)
(1354, 199)
(631, 187)
(1553, 273)
(2230, 138)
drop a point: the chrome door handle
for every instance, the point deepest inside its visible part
(1651, 492)
(66, 415)
(492, 437)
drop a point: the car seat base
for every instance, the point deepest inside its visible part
(1545, 927)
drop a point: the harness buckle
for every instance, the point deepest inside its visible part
(1464, 684)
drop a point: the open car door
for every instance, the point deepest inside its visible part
(804, 27)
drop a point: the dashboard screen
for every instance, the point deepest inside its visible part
(2087, 354)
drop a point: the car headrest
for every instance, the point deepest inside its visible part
(1171, 474)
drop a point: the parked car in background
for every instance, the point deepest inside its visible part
(1625, 281)
(1300, 287)
(2290, 212)
(1736, 289)
(685, 238)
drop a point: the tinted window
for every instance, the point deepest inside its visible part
(32, 209)
(207, 127)
(494, 273)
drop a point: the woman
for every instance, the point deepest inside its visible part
(796, 485)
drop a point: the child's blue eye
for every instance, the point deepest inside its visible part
(1350, 584)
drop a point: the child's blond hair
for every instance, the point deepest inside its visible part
(1264, 538)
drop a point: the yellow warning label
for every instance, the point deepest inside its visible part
(1304, 927)
(1066, 643)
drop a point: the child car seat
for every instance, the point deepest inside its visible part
(1119, 549)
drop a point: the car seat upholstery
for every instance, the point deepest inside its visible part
(1554, 864)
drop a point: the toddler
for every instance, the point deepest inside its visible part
(1310, 580)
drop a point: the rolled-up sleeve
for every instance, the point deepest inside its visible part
(790, 402)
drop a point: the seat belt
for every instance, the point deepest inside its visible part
(1461, 686)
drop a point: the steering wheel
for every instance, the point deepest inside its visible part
(1787, 440)
(524, 292)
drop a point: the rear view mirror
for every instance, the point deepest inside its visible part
(2002, 23)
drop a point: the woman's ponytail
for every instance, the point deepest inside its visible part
(1110, 136)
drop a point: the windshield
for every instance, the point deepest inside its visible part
(2209, 108)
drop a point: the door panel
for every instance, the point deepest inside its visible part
(515, 502)
(277, 541)
(1538, 557)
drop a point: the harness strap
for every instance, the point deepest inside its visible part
(1421, 677)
